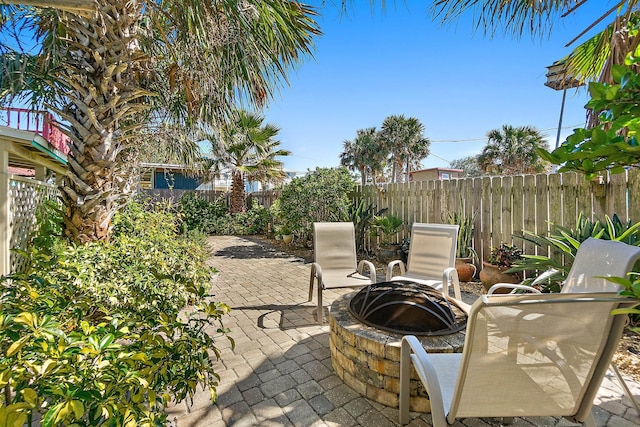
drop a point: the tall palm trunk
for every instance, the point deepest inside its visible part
(101, 75)
(237, 193)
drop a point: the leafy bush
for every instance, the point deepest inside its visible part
(214, 218)
(200, 214)
(96, 335)
(564, 243)
(321, 195)
(613, 143)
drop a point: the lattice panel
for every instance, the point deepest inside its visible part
(25, 195)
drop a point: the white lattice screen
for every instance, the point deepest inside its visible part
(25, 196)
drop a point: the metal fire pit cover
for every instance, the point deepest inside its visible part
(405, 307)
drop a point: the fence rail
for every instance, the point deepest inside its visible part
(508, 205)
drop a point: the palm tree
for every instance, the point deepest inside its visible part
(404, 139)
(513, 150)
(590, 61)
(248, 149)
(364, 154)
(131, 63)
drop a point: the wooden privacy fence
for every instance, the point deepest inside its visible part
(508, 205)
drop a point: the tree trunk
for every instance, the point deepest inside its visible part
(101, 73)
(238, 196)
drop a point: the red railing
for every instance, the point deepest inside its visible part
(40, 122)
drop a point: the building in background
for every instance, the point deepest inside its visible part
(435, 173)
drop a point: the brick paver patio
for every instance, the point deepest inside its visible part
(280, 373)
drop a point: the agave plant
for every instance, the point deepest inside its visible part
(564, 243)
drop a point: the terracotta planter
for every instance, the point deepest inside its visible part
(492, 274)
(388, 253)
(465, 268)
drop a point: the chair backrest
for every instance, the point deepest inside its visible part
(596, 257)
(432, 249)
(334, 245)
(536, 354)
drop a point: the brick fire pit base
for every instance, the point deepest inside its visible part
(368, 359)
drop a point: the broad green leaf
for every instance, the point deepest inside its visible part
(17, 345)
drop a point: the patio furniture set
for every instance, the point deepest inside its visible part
(525, 353)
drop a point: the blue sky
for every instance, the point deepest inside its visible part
(460, 84)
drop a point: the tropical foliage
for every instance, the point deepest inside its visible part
(200, 215)
(563, 242)
(364, 154)
(361, 215)
(132, 64)
(590, 61)
(404, 139)
(469, 165)
(612, 145)
(513, 150)
(320, 195)
(248, 149)
(96, 335)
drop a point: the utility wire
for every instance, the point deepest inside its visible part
(485, 138)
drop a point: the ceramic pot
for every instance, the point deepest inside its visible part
(465, 268)
(287, 238)
(492, 274)
(388, 253)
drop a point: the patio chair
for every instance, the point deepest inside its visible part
(334, 252)
(595, 260)
(432, 258)
(532, 355)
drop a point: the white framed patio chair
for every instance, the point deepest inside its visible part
(335, 262)
(595, 260)
(432, 258)
(517, 361)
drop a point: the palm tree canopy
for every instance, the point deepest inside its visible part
(513, 150)
(248, 148)
(139, 64)
(590, 61)
(404, 138)
(364, 154)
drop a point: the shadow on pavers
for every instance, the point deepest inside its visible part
(286, 316)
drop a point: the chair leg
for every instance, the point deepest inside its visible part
(320, 308)
(623, 383)
(311, 280)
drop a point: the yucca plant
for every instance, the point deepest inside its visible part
(465, 232)
(361, 215)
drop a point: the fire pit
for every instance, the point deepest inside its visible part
(405, 307)
(367, 358)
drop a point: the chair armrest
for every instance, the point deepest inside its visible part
(392, 265)
(450, 275)
(412, 352)
(372, 270)
(512, 287)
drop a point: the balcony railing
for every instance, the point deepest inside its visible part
(40, 122)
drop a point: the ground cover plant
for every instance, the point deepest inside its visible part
(97, 334)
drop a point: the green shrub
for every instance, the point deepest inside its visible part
(98, 335)
(214, 218)
(200, 214)
(321, 195)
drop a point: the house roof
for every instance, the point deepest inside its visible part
(28, 149)
(438, 169)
